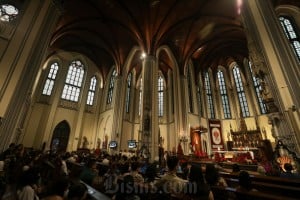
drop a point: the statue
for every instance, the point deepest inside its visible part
(265, 92)
(144, 152)
(85, 142)
(147, 123)
(283, 155)
(105, 142)
(179, 150)
(98, 143)
(161, 141)
(228, 136)
(267, 98)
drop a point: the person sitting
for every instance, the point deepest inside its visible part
(105, 160)
(134, 172)
(145, 189)
(27, 185)
(110, 180)
(57, 189)
(213, 177)
(235, 169)
(287, 173)
(245, 182)
(196, 188)
(261, 170)
(90, 172)
(170, 184)
(126, 190)
(77, 192)
(186, 169)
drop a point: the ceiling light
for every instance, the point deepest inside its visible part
(143, 55)
(154, 3)
(239, 5)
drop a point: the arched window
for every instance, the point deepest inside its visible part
(160, 96)
(257, 88)
(48, 87)
(289, 28)
(210, 104)
(91, 92)
(224, 95)
(73, 81)
(240, 92)
(199, 100)
(111, 87)
(189, 82)
(8, 12)
(127, 100)
(140, 96)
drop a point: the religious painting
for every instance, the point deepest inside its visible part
(196, 146)
(196, 141)
(216, 135)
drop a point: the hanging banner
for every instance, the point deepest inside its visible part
(216, 136)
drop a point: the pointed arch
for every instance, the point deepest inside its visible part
(223, 93)
(111, 86)
(257, 88)
(60, 137)
(50, 80)
(237, 76)
(92, 91)
(128, 91)
(168, 51)
(160, 96)
(209, 94)
(74, 81)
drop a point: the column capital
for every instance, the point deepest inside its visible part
(149, 58)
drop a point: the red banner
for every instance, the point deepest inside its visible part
(216, 137)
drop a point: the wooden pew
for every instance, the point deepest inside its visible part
(74, 176)
(94, 194)
(268, 185)
(288, 191)
(257, 195)
(266, 179)
(220, 192)
(276, 180)
(229, 193)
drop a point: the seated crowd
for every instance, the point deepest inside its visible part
(29, 174)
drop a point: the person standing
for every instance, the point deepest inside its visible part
(170, 184)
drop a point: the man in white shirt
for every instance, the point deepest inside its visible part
(170, 183)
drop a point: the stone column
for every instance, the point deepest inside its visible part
(24, 52)
(118, 107)
(149, 118)
(273, 62)
(184, 134)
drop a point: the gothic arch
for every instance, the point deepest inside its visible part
(60, 137)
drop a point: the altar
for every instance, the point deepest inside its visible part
(252, 141)
(240, 156)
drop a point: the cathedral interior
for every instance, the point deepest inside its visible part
(139, 75)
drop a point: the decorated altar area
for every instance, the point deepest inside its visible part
(241, 157)
(247, 148)
(251, 158)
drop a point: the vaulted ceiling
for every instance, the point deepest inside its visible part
(207, 31)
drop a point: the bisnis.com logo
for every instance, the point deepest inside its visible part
(166, 188)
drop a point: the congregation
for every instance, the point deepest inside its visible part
(29, 174)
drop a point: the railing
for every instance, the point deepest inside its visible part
(95, 194)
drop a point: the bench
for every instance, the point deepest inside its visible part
(94, 194)
(229, 193)
(266, 179)
(268, 185)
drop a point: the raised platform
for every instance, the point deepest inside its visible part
(228, 165)
(247, 167)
